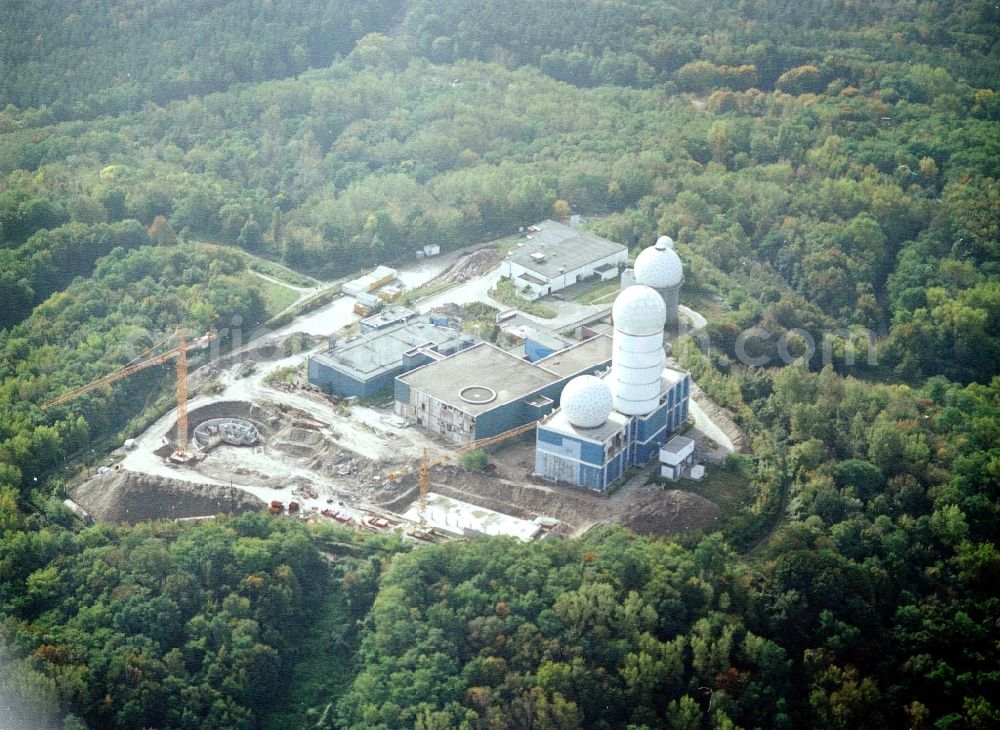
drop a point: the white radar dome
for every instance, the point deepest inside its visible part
(587, 401)
(664, 242)
(639, 310)
(659, 266)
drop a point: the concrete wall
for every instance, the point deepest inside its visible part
(430, 413)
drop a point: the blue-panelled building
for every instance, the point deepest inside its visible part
(538, 345)
(366, 365)
(484, 391)
(596, 457)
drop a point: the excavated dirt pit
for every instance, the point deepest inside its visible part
(295, 456)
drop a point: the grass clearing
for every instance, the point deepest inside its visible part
(280, 272)
(728, 485)
(262, 265)
(277, 297)
(709, 305)
(597, 291)
(314, 302)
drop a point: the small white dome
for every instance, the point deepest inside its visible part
(587, 401)
(639, 310)
(664, 242)
(659, 266)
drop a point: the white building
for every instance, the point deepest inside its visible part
(555, 256)
(471, 520)
(676, 456)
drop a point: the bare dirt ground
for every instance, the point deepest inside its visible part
(303, 457)
(508, 487)
(720, 422)
(470, 266)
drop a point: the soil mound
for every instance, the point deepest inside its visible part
(470, 266)
(669, 512)
(129, 497)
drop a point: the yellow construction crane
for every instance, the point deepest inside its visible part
(427, 463)
(181, 453)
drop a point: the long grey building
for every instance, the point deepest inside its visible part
(365, 365)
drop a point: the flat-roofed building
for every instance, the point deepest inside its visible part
(676, 456)
(556, 256)
(472, 520)
(386, 318)
(484, 391)
(366, 365)
(367, 283)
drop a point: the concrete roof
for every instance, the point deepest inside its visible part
(480, 365)
(582, 356)
(377, 352)
(388, 315)
(671, 376)
(557, 421)
(677, 444)
(457, 516)
(564, 247)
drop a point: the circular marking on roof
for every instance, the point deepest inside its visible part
(477, 394)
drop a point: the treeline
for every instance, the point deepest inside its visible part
(82, 60)
(868, 599)
(51, 259)
(848, 209)
(835, 169)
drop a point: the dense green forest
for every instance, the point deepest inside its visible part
(108, 56)
(823, 166)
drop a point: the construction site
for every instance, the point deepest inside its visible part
(450, 450)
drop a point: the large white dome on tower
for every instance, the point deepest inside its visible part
(659, 266)
(587, 401)
(639, 310)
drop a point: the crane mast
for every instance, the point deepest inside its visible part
(425, 464)
(181, 453)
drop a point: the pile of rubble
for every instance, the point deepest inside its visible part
(470, 266)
